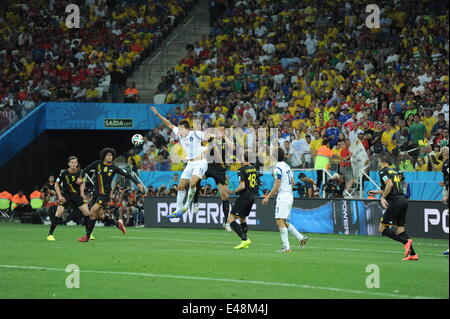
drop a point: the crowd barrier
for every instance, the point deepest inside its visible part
(427, 219)
(424, 185)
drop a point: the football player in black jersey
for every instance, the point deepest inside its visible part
(105, 171)
(69, 192)
(247, 190)
(219, 148)
(396, 206)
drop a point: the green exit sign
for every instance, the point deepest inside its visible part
(118, 123)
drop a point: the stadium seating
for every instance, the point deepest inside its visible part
(42, 60)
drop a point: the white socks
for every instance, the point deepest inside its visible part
(284, 238)
(191, 194)
(295, 232)
(180, 199)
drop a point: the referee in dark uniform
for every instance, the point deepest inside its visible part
(247, 190)
(396, 206)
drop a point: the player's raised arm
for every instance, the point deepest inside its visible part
(162, 118)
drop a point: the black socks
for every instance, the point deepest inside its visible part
(244, 228)
(226, 209)
(405, 236)
(109, 221)
(195, 199)
(237, 229)
(55, 222)
(90, 227)
(391, 234)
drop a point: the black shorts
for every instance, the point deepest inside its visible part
(73, 198)
(218, 172)
(395, 214)
(242, 206)
(101, 199)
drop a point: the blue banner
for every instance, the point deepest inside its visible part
(339, 216)
(78, 116)
(159, 178)
(424, 185)
(102, 116)
(21, 134)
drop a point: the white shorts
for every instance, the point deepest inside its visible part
(197, 168)
(283, 206)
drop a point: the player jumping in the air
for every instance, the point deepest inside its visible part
(247, 190)
(105, 171)
(69, 192)
(396, 206)
(217, 170)
(191, 142)
(445, 173)
(284, 183)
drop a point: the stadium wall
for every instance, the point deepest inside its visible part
(39, 144)
(78, 116)
(428, 219)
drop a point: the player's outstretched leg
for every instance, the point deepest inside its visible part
(181, 194)
(192, 190)
(109, 221)
(302, 239)
(386, 231)
(224, 194)
(281, 223)
(196, 207)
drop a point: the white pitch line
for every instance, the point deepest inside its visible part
(261, 244)
(251, 282)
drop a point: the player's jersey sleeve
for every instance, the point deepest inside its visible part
(60, 178)
(384, 177)
(277, 172)
(175, 131)
(199, 135)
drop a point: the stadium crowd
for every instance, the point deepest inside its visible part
(43, 60)
(315, 71)
(312, 69)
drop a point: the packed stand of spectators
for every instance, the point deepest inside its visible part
(43, 60)
(314, 70)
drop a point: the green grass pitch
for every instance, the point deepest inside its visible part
(201, 263)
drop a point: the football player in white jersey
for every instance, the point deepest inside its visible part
(191, 141)
(284, 182)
